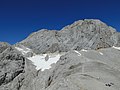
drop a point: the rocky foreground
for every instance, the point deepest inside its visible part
(86, 55)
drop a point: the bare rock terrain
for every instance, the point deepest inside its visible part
(89, 59)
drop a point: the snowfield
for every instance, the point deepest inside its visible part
(23, 51)
(101, 53)
(79, 54)
(40, 62)
(84, 50)
(116, 47)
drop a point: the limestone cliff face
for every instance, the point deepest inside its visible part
(15, 69)
(82, 34)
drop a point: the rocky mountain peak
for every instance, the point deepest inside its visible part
(91, 24)
(82, 34)
(85, 21)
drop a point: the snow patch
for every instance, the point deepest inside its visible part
(40, 62)
(79, 54)
(84, 50)
(116, 47)
(23, 51)
(101, 53)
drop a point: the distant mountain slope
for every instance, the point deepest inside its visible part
(82, 34)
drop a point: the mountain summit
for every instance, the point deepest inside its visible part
(82, 34)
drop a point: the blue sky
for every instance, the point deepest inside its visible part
(19, 18)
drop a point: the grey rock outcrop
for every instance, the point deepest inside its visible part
(82, 34)
(47, 58)
(116, 39)
(15, 70)
(11, 65)
(3, 46)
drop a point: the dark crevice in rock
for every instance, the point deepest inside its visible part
(75, 66)
(2, 79)
(49, 81)
(109, 84)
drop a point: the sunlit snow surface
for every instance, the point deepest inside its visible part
(101, 53)
(23, 51)
(84, 50)
(79, 54)
(116, 47)
(40, 62)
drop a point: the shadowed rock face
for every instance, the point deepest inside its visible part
(15, 70)
(82, 34)
(11, 65)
